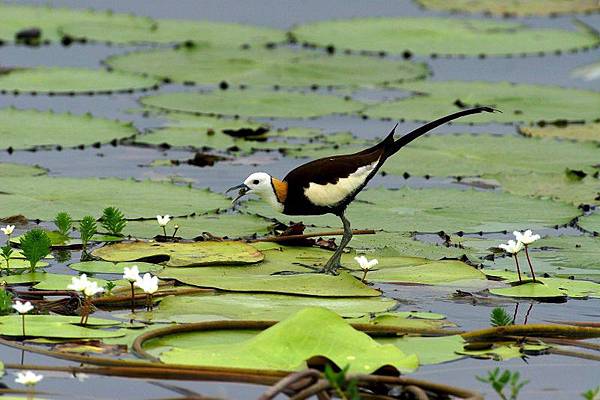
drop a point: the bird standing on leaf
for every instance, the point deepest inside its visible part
(328, 185)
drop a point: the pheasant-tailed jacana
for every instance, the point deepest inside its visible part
(329, 184)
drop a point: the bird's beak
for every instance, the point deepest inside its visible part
(243, 190)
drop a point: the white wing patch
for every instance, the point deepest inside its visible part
(330, 194)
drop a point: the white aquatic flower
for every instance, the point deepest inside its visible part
(79, 283)
(8, 229)
(28, 378)
(163, 221)
(22, 308)
(527, 237)
(512, 247)
(131, 274)
(366, 264)
(92, 289)
(148, 283)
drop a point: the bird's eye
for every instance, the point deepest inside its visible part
(255, 182)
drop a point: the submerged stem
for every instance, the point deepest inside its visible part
(518, 268)
(132, 298)
(529, 262)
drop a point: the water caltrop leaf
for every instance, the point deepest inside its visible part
(72, 80)
(579, 132)
(429, 350)
(530, 290)
(26, 129)
(43, 197)
(502, 353)
(431, 273)
(441, 36)
(287, 346)
(253, 103)
(514, 7)
(266, 67)
(53, 326)
(257, 306)
(182, 254)
(105, 267)
(518, 102)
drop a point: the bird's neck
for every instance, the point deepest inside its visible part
(278, 195)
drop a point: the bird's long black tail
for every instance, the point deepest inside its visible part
(409, 137)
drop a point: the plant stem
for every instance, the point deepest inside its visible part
(365, 272)
(164, 230)
(529, 262)
(23, 324)
(132, 298)
(518, 268)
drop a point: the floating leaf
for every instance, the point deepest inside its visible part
(26, 129)
(590, 223)
(257, 306)
(45, 281)
(503, 353)
(431, 273)
(72, 80)
(253, 103)
(290, 343)
(401, 319)
(432, 210)
(182, 254)
(429, 350)
(266, 67)
(18, 170)
(54, 326)
(587, 132)
(518, 102)
(43, 197)
(440, 36)
(203, 34)
(105, 267)
(514, 7)
(19, 264)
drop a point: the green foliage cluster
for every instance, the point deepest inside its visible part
(87, 229)
(35, 245)
(63, 222)
(499, 317)
(592, 394)
(345, 389)
(6, 299)
(498, 381)
(113, 220)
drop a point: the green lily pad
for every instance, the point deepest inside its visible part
(54, 326)
(182, 254)
(429, 350)
(45, 281)
(441, 36)
(432, 273)
(26, 129)
(590, 223)
(518, 102)
(587, 132)
(19, 170)
(15, 18)
(266, 67)
(401, 320)
(204, 34)
(432, 210)
(20, 264)
(105, 267)
(503, 353)
(530, 290)
(72, 80)
(43, 197)
(513, 8)
(253, 103)
(220, 225)
(256, 306)
(289, 344)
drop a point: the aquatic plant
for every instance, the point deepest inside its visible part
(526, 239)
(87, 229)
(5, 301)
(499, 317)
(6, 250)
(89, 289)
(113, 221)
(513, 248)
(163, 221)
(592, 394)
(63, 222)
(35, 245)
(132, 275)
(28, 378)
(366, 265)
(344, 389)
(498, 381)
(23, 308)
(149, 284)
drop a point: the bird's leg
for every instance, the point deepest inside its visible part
(334, 262)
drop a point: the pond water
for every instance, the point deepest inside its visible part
(551, 377)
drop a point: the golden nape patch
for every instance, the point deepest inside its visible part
(281, 189)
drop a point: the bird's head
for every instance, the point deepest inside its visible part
(264, 185)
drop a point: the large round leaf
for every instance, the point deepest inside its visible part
(72, 80)
(440, 36)
(429, 350)
(44, 197)
(587, 132)
(431, 273)
(289, 344)
(26, 129)
(266, 67)
(513, 7)
(518, 102)
(17, 170)
(257, 306)
(253, 103)
(590, 223)
(54, 326)
(105, 267)
(182, 254)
